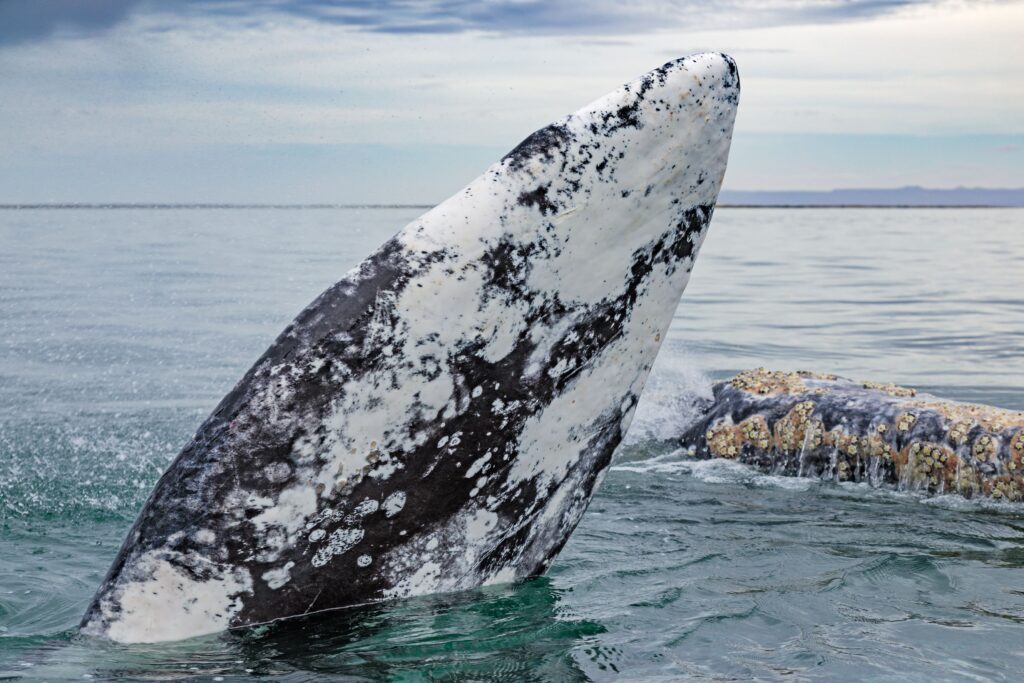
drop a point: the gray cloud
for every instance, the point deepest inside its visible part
(28, 20)
(564, 17)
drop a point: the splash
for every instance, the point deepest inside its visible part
(677, 394)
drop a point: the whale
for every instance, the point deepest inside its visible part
(439, 419)
(837, 429)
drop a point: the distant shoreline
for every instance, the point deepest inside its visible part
(115, 206)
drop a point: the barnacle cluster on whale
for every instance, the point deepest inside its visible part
(807, 424)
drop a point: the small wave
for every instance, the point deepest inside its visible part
(715, 471)
(957, 503)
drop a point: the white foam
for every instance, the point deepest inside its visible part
(731, 472)
(715, 471)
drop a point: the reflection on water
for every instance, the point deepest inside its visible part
(119, 331)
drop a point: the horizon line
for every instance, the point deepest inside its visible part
(322, 206)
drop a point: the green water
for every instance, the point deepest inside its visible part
(120, 329)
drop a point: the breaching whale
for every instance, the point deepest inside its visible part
(824, 426)
(440, 418)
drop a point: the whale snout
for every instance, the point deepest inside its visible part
(619, 173)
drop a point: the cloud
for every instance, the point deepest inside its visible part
(563, 16)
(27, 20)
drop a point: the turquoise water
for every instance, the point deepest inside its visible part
(120, 330)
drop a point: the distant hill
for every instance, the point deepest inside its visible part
(902, 196)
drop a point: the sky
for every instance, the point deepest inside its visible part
(405, 101)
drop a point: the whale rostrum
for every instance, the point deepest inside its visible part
(829, 427)
(439, 419)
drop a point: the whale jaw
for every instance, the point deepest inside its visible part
(440, 418)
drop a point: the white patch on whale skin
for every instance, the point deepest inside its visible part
(168, 604)
(277, 578)
(505, 575)
(394, 503)
(283, 521)
(478, 526)
(367, 507)
(446, 559)
(426, 579)
(545, 337)
(204, 536)
(478, 465)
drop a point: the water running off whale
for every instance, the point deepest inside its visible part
(440, 418)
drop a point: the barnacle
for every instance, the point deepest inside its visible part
(842, 470)
(890, 389)
(958, 432)
(984, 448)
(1006, 487)
(755, 433)
(722, 441)
(1015, 454)
(762, 381)
(927, 464)
(791, 430)
(876, 447)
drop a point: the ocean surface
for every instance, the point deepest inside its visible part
(121, 329)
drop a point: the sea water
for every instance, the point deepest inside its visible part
(120, 329)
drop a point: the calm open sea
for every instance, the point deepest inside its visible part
(121, 329)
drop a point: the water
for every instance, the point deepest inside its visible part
(120, 330)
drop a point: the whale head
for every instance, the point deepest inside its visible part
(440, 418)
(591, 188)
